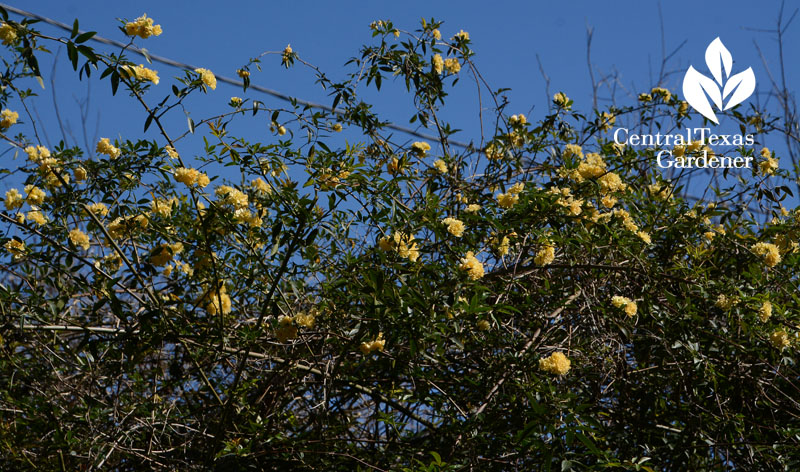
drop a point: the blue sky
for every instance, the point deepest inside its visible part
(507, 37)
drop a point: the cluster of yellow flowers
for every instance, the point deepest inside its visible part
(627, 305)
(509, 199)
(769, 252)
(765, 312)
(573, 205)
(35, 195)
(472, 208)
(217, 301)
(231, 196)
(7, 118)
(104, 146)
(8, 34)
(660, 191)
(14, 199)
(572, 150)
(518, 120)
(207, 77)
(127, 225)
(438, 64)
(162, 207)
(454, 226)
(452, 65)
(725, 302)
(420, 148)
(770, 164)
(545, 256)
(16, 248)
(493, 152)
(287, 55)
(557, 363)
(607, 120)
(37, 217)
(141, 72)
(472, 266)
(191, 177)
(562, 101)
(79, 238)
(99, 209)
(142, 27)
(37, 154)
(328, 179)
(502, 245)
(780, 339)
(171, 152)
(260, 186)
(378, 344)
(661, 92)
(462, 35)
(164, 253)
(440, 166)
(630, 225)
(403, 244)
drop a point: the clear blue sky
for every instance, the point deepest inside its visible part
(507, 36)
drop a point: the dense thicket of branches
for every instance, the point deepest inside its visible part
(541, 299)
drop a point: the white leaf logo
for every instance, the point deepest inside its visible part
(698, 89)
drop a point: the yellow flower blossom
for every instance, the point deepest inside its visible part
(217, 301)
(472, 208)
(440, 166)
(142, 27)
(628, 306)
(80, 174)
(142, 73)
(37, 217)
(461, 35)
(79, 238)
(562, 100)
(231, 196)
(452, 65)
(545, 256)
(402, 243)
(378, 344)
(260, 186)
(8, 118)
(99, 209)
(420, 148)
(665, 94)
(769, 252)
(725, 302)
(306, 320)
(607, 120)
(16, 248)
(8, 34)
(14, 199)
(472, 266)
(242, 73)
(557, 363)
(454, 226)
(164, 253)
(765, 311)
(571, 150)
(780, 339)
(207, 77)
(35, 195)
(104, 146)
(191, 177)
